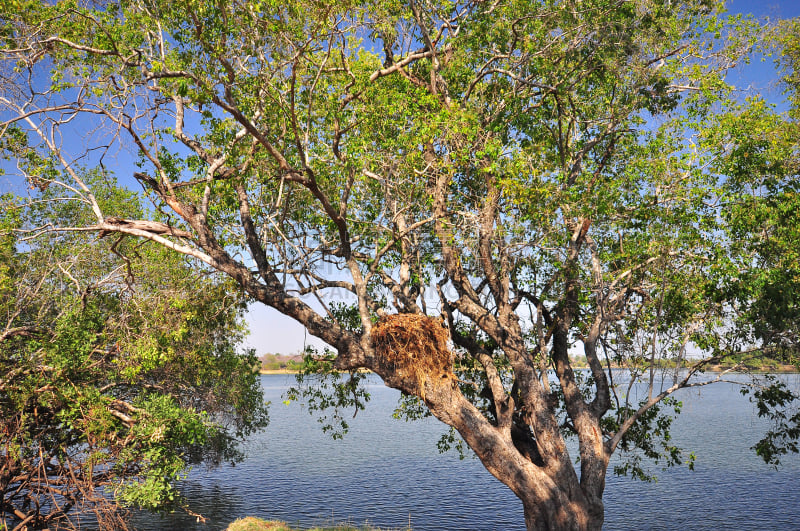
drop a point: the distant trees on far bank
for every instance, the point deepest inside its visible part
(752, 361)
(281, 362)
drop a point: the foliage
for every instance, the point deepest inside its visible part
(327, 392)
(552, 178)
(778, 404)
(274, 362)
(120, 371)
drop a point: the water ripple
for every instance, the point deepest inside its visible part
(389, 474)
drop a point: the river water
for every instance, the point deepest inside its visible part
(389, 473)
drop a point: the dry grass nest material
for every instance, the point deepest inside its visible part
(414, 346)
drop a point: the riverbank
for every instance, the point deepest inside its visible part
(294, 371)
(780, 369)
(257, 524)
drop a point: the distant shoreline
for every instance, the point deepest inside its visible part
(293, 371)
(783, 369)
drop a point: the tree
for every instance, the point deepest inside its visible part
(547, 177)
(120, 370)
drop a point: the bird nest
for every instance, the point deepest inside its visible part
(413, 347)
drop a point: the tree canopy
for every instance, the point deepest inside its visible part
(120, 370)
(541, 178)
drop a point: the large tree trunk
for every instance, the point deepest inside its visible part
(551, 492)
(550, 515)
(552, 495)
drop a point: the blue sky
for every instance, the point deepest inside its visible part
(783, 9)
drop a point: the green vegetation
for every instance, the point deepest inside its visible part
(533, 179)
(120, 370)
(754, 362)
(278, 362)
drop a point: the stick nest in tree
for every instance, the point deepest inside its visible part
(415, 347)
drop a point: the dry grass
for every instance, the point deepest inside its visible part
(414, 347)
(257, 524)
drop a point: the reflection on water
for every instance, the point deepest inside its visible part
(389, 473)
